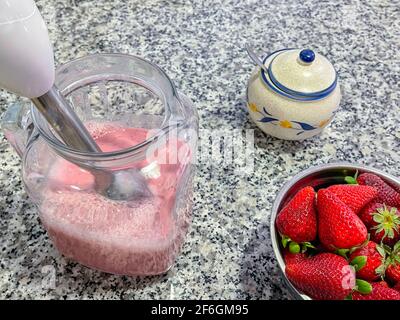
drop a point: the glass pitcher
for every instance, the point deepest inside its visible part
(135, 114)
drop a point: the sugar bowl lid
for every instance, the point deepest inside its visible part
(300, 74)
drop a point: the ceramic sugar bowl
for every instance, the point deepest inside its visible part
(296, 96)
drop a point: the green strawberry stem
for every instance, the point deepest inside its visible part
(394, 256)
(380, 271)
(359, 262)
(306, 245)
(351, 250)
(363, 286)
(351, 180)
(285, 241)
(342, 252)
(383, 251)
(294, 247)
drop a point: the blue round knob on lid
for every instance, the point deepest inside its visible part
(307, 55)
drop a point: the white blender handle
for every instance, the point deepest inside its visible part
(27, 69)
(26, 55)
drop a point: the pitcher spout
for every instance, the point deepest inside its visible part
(17, 126)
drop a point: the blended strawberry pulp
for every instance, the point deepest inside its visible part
(139, 237)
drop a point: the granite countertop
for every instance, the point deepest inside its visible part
(227, 254)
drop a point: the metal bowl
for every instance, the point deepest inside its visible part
(318, 177)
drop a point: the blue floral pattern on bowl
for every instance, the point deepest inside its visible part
(301, 127)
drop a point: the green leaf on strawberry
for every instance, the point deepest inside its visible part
(285, 241)
(362, 286)
(360, 246)
(380, 271)
(369, 262)
(359, 262)
(396, 247)
(351, 180)
(387, 248)
(392, 263)
(306, 245)
(342, 252)
(388, 221)
(381, 251)
(294, 247)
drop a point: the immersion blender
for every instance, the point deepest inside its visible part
(27, 69)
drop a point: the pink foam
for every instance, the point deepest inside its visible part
(136, 238)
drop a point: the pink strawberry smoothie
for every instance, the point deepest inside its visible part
(140, 237)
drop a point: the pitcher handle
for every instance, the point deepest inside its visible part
(17, 125)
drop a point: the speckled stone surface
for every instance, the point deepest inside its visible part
(200, 44)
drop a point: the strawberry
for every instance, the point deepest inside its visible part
(384, 283)
(393, 272)
(396, 187)
(338, 227)
(382, 222)
(393, 265)
(291, 258)
(366, 214)
(379, 292)
(297, 221)
(369, 261)
(397, 287)
(354, 196)
(386, 193)
(325, 276)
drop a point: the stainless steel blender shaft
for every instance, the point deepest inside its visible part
(58, 113)
(121, 185)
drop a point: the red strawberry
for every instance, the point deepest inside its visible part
(353, 195)
(369, 261)
(393, 265)
(396, 187)
(393, 272)
(386, 193)
(298, 219)
(382, 222)
(397, 287)
(325, 276)
(338, 227)
(379, 292)
(291, 258)
(366, 214)
(383, 283)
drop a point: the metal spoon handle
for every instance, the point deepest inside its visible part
(255, 58)
(62, 118)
